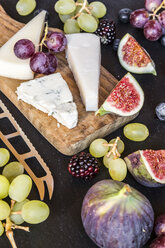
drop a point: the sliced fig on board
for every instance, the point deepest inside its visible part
(126, 99)
(133, 57)
(147, 167)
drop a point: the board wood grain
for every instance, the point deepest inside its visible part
(90, 127)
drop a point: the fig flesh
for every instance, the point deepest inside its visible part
(126, 99)
(147, 167)
(115, 215)
(133, 57)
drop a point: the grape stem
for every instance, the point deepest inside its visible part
(114, 150)
(84, 7)
(44, 38)
(154, 14)
(10, 225)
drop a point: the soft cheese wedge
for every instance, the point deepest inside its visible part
(83, 55)
(10, 65)
(51, 95)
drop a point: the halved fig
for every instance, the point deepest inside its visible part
(133, 57)
(147, 167)
(126, 99)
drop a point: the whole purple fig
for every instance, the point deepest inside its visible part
(116, 215)
(159, 242)
(160, 225)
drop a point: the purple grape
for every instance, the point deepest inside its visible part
(160, 225)
(56, 41)
(39, 62)
(161, 18)
(52, 63)
(159, 242)
(139, 17)
(24, 49)
(152, 30)
(151, 5)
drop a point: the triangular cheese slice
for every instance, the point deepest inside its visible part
(10, 65)
(83, 55)
(51, 95)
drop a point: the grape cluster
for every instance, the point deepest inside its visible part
(80, 15)
(151, 19)
(17, 185)
(110, 152)
(40, 62)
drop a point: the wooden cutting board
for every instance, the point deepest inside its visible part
(90, 127)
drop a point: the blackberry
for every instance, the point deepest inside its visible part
(106, 31)
(83, 165)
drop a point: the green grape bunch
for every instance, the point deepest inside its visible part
(17, 186)
(80, 15)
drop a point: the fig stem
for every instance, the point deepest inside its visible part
(126, 190)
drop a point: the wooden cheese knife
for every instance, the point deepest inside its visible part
(39, 181)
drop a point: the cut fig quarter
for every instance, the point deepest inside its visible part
(147, 167)
(126, 98)
(134, 58)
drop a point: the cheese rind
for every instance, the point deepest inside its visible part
(10, 65)
(83, 55)
(51, 95)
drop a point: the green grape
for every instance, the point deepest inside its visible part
(81, 1)
(136, 131)
(17, 218)
(87, 23)
(13, 170)
(71, 26)
(120, 145)
(97, 148)
(25, 7)
(1, 229)
(4, 210)
(107, 159)
(79, 7)
(64, 18)
(20, 188)
(35, 212)
(117, 169)
(4, 156)
(65, 7)
(4, 187)
(98, 9)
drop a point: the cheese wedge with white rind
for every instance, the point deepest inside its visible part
(84, 58)
(10, 65)
(51, 95)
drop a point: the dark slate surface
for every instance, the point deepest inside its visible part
(64, 227)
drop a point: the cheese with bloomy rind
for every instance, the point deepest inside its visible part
(83, 55)
(10, 65)
(51, 95)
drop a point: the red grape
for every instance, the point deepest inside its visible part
(56, 41)
(151, 5)
(152, 30)
(52, 63)
(160, 225)
(159, 242)
(39, 62)
(139, 17)
(161, 18)
(24, 49)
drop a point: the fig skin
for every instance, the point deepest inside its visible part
(115, 215)
(160, 225)
(159, 242)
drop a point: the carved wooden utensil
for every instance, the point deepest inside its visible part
(39, 181)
